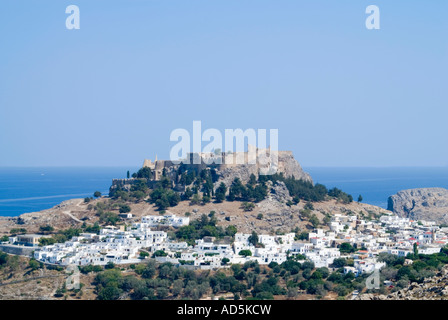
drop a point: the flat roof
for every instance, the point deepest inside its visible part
(31, 235)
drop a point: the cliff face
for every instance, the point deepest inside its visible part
(287, 165)
(290, 167)
(421, 204)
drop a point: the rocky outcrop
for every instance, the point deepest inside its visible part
(279, 192)
(429, 204)
(287, 165)
(290, 167)
(434, 288)
(243, 172)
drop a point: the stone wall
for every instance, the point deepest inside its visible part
(17, 250)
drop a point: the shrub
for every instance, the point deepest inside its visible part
(247, 206)
(124, 208)
(245, 253)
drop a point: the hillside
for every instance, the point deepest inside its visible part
(277, 216)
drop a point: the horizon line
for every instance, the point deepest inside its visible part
(303, 166)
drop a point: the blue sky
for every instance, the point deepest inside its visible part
(110, 93)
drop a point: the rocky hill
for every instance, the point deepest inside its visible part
(421, 204)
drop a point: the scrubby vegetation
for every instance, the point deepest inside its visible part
(252, 281)
(8, 262)
(153, 281)
(199, 189)
(423, 266)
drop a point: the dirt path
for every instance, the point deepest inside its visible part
(73, 217)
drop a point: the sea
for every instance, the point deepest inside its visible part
(375, 185)
(34, 189)
(25, 190)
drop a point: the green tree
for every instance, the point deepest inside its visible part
(187, 194)
(415, 250)
(138, 195)
(60, 291)
(165, 182)
(264, 295)
(231, 196)
(160, 253)
(231, 230)
(3, 258)
(253, 238)
(46, 229)
(346, 248)
(360, 198)
(177, 287)
(308, 206)
(143, 254)
(144, 173)
(314, 220)
(339, 262)
(34, 264)
(260, 192)
(111, 292)
(124, 208)
(303, 236)
(245, 253)
(252, 180)
(109, 218)
(247, 206)
(205, 199)
(195, 199)
(97, 194)
(220, 193)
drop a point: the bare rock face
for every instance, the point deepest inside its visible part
(287, 165)
(243, 172)
(290, 167)
(279, 192)
(429, 204)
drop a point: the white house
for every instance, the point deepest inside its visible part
(166, 220)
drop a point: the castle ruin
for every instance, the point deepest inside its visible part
(257, 161)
